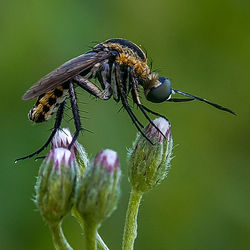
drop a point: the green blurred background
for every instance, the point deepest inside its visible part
(203, 46)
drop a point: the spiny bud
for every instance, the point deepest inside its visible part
(98, 190)
(62, 139)
(149, 163)
(56, 184)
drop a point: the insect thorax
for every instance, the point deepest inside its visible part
(129, 55)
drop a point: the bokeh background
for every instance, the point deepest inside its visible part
(203, 47)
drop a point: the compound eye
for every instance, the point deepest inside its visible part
(160, 93)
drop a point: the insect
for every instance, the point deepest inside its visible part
(120, 67)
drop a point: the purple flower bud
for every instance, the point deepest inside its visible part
(55, 184)
(107, 159)
(99, 188)
(62, 139)
(60, 156)
(149, 164)
(153, 134)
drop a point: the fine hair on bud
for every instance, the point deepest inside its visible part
(149, 163)
(62, 139)
(99, 188)
(56, 183)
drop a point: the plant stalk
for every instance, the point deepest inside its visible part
(90, 231)
(58, 237)
(130, 228)
(100, 243)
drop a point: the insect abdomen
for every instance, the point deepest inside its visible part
(48, 103)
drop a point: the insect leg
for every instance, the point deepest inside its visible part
(59, 116)
(75, 112)
(122, 92)
(125, 102)
(92, 88)
(136, 99)
(93, 71)
(102, 74)
(127, 82)
(154, 113)
(116, 95)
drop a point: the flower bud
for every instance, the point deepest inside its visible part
(56, 184)
(99, 188)
(62, 139)
(149, 163)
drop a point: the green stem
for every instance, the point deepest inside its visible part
(90, 229)
(58, 237)
(100, 243)
(130, 228)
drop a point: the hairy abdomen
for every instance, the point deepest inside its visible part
(48, 103)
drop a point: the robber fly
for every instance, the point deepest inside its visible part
(121, 67)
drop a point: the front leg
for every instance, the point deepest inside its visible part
(91, 88)
(136, 99)
(124, 100)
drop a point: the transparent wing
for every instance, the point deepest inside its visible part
(66, 71)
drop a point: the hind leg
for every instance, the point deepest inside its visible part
(59, 116)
